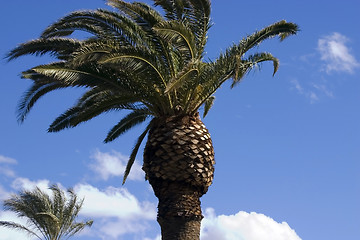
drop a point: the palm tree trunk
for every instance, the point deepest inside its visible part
(179, 210)
(179, 164)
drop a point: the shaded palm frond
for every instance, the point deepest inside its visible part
(138, 60)
(252, 61)
(59, 47)
(209, 102)
(88, 75)
(34, 93)
(141, 13)
(180, 37)
(134, 152)
(188, 74)
(134, 118)
(19, 227)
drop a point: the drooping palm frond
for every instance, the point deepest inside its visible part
(135, 151)
(134, 118)
(281, 29)
(59, 47)
(18, 227)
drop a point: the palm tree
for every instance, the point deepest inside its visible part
(153, 66)
(49, 218)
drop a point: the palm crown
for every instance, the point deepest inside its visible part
(136, 59)
(49, 217)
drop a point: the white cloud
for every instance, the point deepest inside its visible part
(4, 159)
(336, 54)
(113, 164)
(20, 184)
(158, 237)
(115, 210)
(113, 202)
(244, 226)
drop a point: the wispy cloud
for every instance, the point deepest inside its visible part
(113, 165)
(4, 166)
(336, 54)
(309, 94)
(243, 225)
(4, 159)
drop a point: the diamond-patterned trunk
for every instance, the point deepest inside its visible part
(179, 164)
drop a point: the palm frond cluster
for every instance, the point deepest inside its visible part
(49, 217)
(138, 60)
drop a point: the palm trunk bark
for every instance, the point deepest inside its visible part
(179, 164)
(179, 210)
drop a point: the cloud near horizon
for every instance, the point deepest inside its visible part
(119, 214)
(336, 54)
(108, 208)
(244, 226)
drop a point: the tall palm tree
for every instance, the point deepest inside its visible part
(49, 217)
(153, 66)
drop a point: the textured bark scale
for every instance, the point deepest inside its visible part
(179, 164)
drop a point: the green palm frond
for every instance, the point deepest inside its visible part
(98, 23)
(132, 119)
(34, 93)
(54, 217)
(134, 152)
(136, 60)
(173, 9)
(178, 35)
(208, 104)
(92, 106)
(281, 29)
(140, 61)
(59, 47)
(141, 13)
(19, 227)
(252, 61)
(84, 76)
(187, 74)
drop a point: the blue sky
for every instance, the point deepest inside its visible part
(287, 147)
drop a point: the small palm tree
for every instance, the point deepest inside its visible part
(152, 66)
(49, 217)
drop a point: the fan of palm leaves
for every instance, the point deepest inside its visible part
(138, 60)
(49, 217)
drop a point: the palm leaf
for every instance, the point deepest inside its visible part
(134, 152)
(134, 118)
(282, 29)
(18, 227)
(208, 104)
(179, 36)
(58, 47)
(36, 91)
